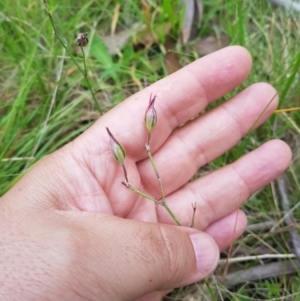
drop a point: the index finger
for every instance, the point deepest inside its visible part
(180, 97)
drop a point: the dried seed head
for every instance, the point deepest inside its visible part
(82, 39)
(151, 115)
(116, 148)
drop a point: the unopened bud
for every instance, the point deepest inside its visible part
(116, 148)
(82, 39)
(151, 116)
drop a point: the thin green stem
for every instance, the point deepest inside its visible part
(84, 61)
(210, 290)
(290, 79)
(128, 185)
(63, 43)
(146, 196)
(149, 137)
(88, 82)
(164, 203)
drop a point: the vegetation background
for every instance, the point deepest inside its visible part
(45, 103)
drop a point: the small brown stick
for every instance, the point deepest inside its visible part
(230, 247)
(194, 206)
(288, 217)
(287, 4)
(125, 174)
(268, 270)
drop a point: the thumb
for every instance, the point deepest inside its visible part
(130, 259)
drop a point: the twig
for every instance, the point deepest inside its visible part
(231, 245)
(261, 227)
(261, 272)
(257, 257)
(194, 206)
(285, 202)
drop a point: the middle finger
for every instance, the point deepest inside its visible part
(206, 138)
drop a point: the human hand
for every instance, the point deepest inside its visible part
(71, 231)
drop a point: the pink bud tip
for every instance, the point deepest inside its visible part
(151, 115)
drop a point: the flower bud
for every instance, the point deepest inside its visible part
(116, 148)
(82, 39)
(151, 116)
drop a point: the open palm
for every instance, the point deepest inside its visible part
(83, 177)
(179, 152)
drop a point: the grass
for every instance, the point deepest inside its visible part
(35, 121)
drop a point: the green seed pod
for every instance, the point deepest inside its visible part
(116, 148)
(151, 115)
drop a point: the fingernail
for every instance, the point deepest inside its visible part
(206, 252)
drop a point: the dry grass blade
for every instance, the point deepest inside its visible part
(260, 257)
(211, 44)
(172, 59)
(52, 102)
(261, 227)
(116, 41)
(289, 5)
(192, 19)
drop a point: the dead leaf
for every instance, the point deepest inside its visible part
(147, 13)
(192, 19)
(212, 44)
(171, 57)
(115, 42)
(148, 37)
(71, 70)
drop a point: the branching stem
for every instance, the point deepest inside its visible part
(164, 203)
(146, 196)
(63, 43)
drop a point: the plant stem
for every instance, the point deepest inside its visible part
(164, 203)
(63, 43)
(85, 74)
(146, 196)
(210, 290)
(125, 174)
(128, 185)
(84, 61)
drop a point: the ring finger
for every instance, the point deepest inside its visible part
(223, 191)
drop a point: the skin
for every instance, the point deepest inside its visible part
(71, 231)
